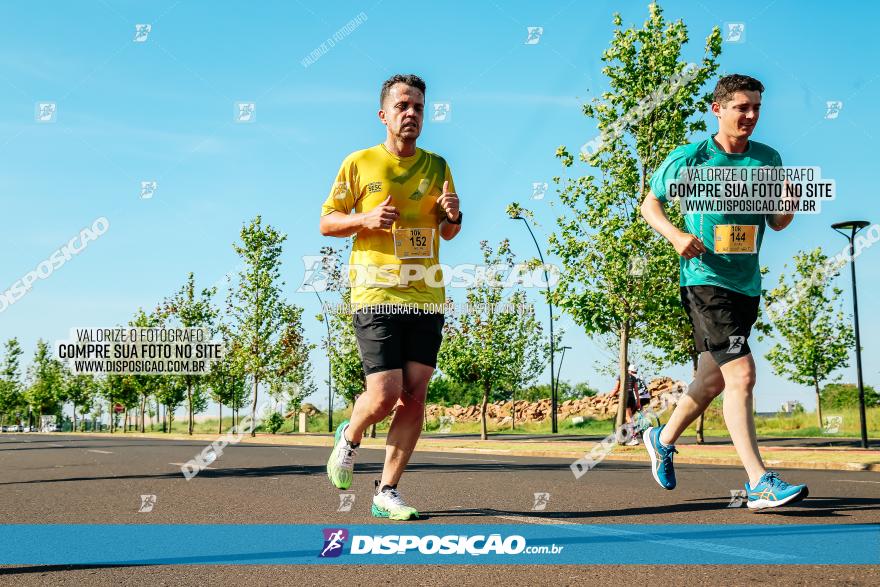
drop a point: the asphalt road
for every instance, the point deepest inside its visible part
(62, 479)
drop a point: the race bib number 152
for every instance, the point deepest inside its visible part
(414, 243)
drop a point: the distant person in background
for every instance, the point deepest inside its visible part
(634, 398)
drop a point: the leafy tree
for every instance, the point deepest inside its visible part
(274, 422)
(836, 396)
(448, 392)
(813, 338)
(498, 344)
(192, 311)
(267, 330)
(80, 390)
(641, 117)
(146, 385)
(227, 382)
(45, 381)
(171, 393)
(565, 391)
(11, 399)
(346, 369)
(122, 390)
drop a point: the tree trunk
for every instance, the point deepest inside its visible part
(373, 431)
(624, 387)
(483, 404)
(220, 431)
(189, 399)
(254, 407)
(818, 403)
(74, 416)
(143, 409)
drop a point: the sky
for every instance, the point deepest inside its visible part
(161, 108)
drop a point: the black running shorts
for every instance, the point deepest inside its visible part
(722, 320)
(388, 340)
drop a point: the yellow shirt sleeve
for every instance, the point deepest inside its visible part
(344, 191)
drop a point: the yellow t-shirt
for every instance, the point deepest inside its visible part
(400, 265)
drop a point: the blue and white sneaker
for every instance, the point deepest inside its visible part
(772, 492)
(661, 458)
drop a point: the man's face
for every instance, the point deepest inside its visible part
(738, 117)
(403, 111)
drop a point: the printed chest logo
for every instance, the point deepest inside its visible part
(424, 186)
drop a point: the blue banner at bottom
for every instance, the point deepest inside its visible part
(566, 544)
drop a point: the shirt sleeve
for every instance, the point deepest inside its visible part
(668, 171)
(343, 192)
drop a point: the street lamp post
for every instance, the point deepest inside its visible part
(553, 399)
(329, 367)
(559, 372)
(854, 226)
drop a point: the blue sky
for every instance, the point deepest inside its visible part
(162, 110)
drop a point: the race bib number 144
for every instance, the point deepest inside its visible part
(736, 238)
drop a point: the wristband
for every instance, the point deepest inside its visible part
(460, 214)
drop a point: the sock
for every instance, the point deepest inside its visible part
(383, 488)
(345, 438)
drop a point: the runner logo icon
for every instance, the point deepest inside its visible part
(334, 540)
(736, 344)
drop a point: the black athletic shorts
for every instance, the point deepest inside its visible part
(388, 340)
(722, 320)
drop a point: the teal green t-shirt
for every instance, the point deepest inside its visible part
(738, 272)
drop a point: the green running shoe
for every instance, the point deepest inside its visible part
(340, 466)
(388, 504)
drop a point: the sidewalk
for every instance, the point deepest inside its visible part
(780, 457)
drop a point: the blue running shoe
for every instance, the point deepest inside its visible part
(772, 492)
(661, 458)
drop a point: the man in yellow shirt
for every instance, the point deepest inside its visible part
(396, 201)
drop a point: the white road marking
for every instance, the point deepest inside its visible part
(103, 452)
(853, 481)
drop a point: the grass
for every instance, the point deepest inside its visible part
(802, 424)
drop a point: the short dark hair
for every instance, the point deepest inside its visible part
(408, 79)
(728, 85)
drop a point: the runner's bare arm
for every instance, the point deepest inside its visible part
(687, 245)
(448, 201)
(779, 221)
(340, 224)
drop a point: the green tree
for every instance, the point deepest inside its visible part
(652, 105)
(346, 369)
(122, 390)
(192, 311)
(813, 339)
(80, 390)
(171, 393)
(267, 330)
(498, 344)
(147, 385)
(11, 399)
(227, 381)
(274, 422)
(836, 396)
(45, 388)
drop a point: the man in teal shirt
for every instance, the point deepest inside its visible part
(720, 281)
